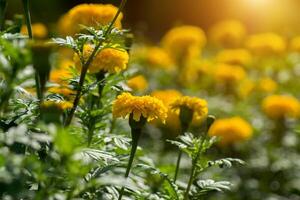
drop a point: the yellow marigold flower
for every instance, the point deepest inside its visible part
(61, 90)
(228, 33)
(295, 44)
(39, 30)
(168, 97)
(61, 105)
(60, 75)
(158, 57)
(91, 15)
(193, 70)
(280, 106)
(266, 85)
(231, 130)
(229, 73)
(138, 83)
(234, 57)
(145, 106)
(246, 87)
(184, 42)
(197, 105)
(266, 44)
(108, 60)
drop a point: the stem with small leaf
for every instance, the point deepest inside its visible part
(27, 18)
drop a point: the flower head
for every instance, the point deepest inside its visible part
(184, 42)
(231, 130)
(228, 74)
(60, 105)
(138, 83)
(266, 44)
(196, 105)
(280, 106)
(108, 60)
(295, 44)
(145, 106)
(91, 15)
(266, 85)
(228, 33)
(168, 97)
(60, 75)
(240, 57)
(39, 30)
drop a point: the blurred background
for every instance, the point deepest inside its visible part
(154, 17)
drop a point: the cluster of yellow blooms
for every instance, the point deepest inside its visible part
(228, 74)
(90, 15)
(231, 130)
(240, 57)
(280, 107)
(145, 106)
(108, 60)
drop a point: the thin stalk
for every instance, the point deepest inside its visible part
(27, 18)
(135, 139)
(3, 5)
(87, 64)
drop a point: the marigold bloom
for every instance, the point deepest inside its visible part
(229, 73)
(228, 33)
(184, 42)
(234, 57)
(231, 130)
(266, 85)
(246, 87)
(295, 44)
(60, 75)
(39, 30)
(197, 105)
(266, 44)
(193, 70)
(108, 60)
(60, 105)
(138, 83)
(90, 15)
(168, 97)
(280, 106)
(145, 106)
(158, 58)
(62, 90)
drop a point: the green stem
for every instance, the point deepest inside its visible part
(3, 5)
(27, 17)
(135, 134)
(177, 165)
(87, 64)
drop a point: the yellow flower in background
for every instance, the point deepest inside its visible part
(184, 42)
(138, 83)
(145, 106)
(229, 74)
(281, 106)
(246, 87)
(295, 44)
(157, 57)
(266, 85)
(240, 57)
(39, 30)
(62, 90)
(228, 33)
(193, 70)
(168, 97)
(108, 60)
(91, 15)
(265, 44)
(60, 75)
(197, 105)
(231, 130)
(61, 105)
